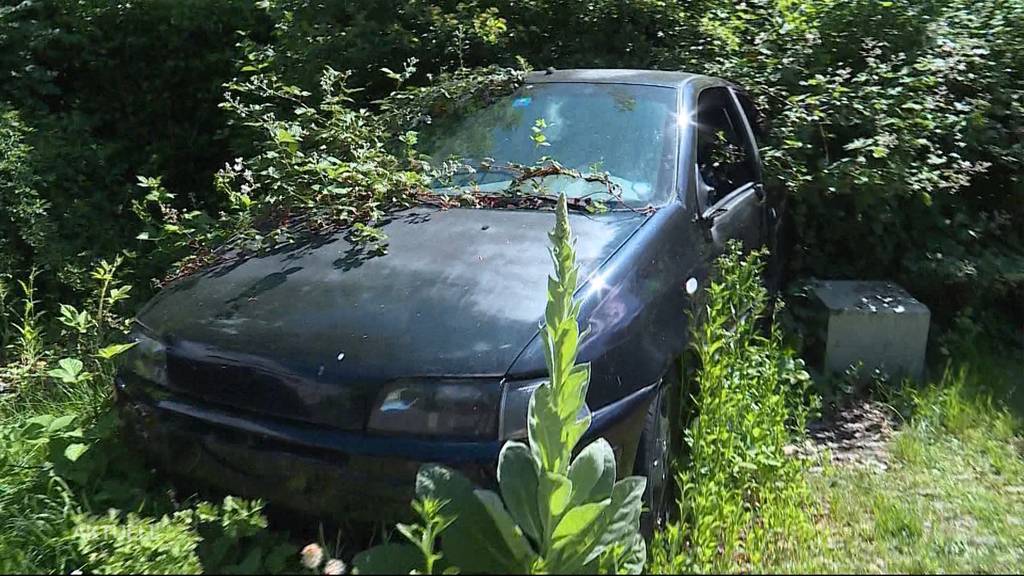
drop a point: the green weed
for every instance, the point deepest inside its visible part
(73, 494)
(743, 500)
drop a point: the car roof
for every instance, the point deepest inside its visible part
(665, 78)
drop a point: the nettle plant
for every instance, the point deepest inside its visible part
(555, 513)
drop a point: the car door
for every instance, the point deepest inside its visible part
(727, 170)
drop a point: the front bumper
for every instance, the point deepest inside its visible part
(323, 472)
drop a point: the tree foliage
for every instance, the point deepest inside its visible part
(895, 126)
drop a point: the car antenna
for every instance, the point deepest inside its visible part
(549, 70)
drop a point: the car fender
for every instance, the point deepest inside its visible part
(635, 308)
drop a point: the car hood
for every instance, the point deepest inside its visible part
(458, 292)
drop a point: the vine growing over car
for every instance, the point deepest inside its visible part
(317, 163)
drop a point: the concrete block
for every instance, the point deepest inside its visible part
(876, 323)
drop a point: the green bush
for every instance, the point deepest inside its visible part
(68, 478)
(137, 545)
(316, 164)
(743, 498)
(228, 538)
(105, 91)
(894, 125)
(66, 484)
(25, 227)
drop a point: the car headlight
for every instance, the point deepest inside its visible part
(515, 407)
(455, 409)
(147, 359)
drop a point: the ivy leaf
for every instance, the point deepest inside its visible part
(60, 423)
(284, 137)
(42, 420)
(69, 371)
(73, 318)
(113, 350)
(74, 451)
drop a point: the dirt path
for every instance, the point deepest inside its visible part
(855, 435)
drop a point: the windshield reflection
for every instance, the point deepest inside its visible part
(610, 142)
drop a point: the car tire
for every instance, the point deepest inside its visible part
(654, 458)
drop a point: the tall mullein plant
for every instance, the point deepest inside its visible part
(555, 513)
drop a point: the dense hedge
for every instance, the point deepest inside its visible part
(107, 90)
(895, 126)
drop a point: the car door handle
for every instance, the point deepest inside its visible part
(711, 214)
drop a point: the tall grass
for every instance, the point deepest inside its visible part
(5, 311)
(743, 501)
(29, 334)
(950, 497)
(74, 495)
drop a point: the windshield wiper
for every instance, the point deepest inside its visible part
(470, 166)
(584, 204)
(537, 201)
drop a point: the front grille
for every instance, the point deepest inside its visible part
(271, 392)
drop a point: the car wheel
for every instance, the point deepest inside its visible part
(654, 460)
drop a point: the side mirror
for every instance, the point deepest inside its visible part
(705, 192)
(704, 214)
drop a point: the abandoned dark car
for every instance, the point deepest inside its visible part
(320, 377)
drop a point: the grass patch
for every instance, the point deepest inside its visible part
(946, 496)
(952, 497)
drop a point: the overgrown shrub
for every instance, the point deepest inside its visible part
(318, 163)
(743, 498)
(137, 545)
(25, 227)
(107, 90)
(67, 484)
(73, 493)
(895, 127)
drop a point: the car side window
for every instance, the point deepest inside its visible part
(724, 156)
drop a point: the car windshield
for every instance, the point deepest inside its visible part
(627, 131)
